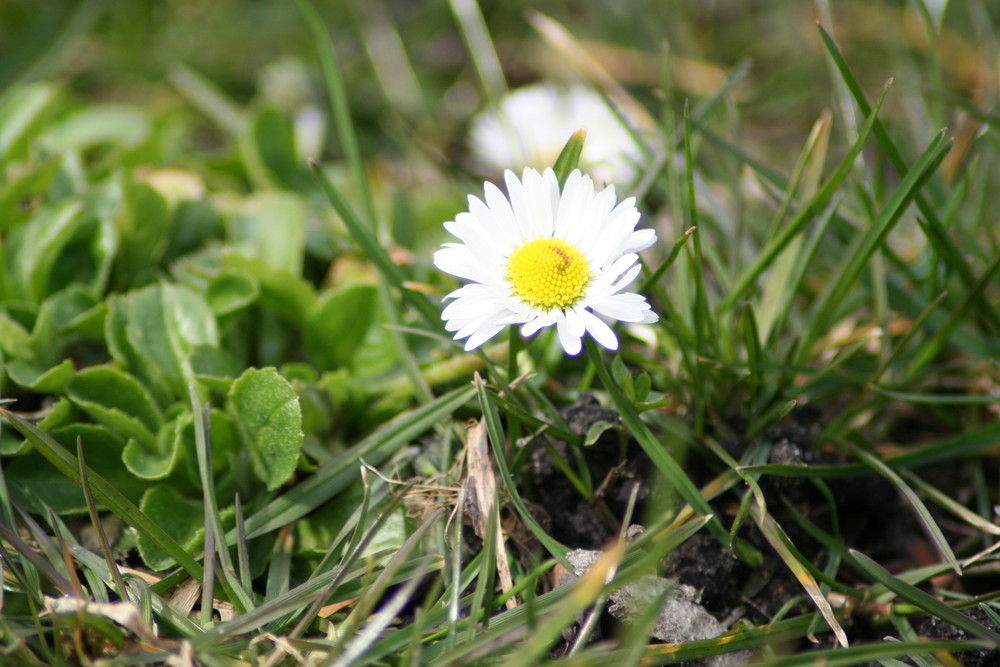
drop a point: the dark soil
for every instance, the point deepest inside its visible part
(871, 517)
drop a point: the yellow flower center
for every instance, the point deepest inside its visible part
(548, 273)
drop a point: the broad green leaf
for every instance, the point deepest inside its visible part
(55, 317)
(143, 222)
(21, 111)
(271, 226)
(61, 413)
(222, 435)
(215, 367)
(122, 350)
(341, 472)
(181, 518)
(39, 379)
(34, 248)
(337, 324)
(33, 477)
(98, 124)
(194, 224)
(274, 140)
(21, 187)
(266, 411)
(230, 293)
(117, 400)
(163, 323)
(15, 341)
(159, 461)
(285, 293)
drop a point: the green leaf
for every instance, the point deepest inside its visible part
(181, 518)
(15, 341)
(34, 248)
(267, 413)
(117, 400)
(55, 317)
(32, 477)
(215, 367)
(223, 437)
(21, 111)
(274, 139)
(98, 124)
(285, 293)
(143, 221)
(569, 157)
(342, 471)
(42, 380)
(231, 292)
(23, 187)
(160, 460)
(162, 324)
(928, 603)
(270, 225)
(337, 324)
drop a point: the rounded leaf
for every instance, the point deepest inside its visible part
(267, 414)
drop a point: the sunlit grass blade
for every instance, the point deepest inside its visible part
(925, 601)
(950, 504)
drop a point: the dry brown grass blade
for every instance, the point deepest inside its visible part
(481, 488)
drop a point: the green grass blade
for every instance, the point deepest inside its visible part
(827, 308)
(918, 505)
(105, 492)
(496, 436)
(936, 232)
(338, 474)
(339, 106)
(665, 463)
(925, 601)
(817, 203)
(374, 250)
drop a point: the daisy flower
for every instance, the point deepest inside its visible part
(530, 126)
(539, 257)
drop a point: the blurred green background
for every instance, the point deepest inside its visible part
(410, 80)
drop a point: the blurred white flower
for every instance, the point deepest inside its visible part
(531, 125)
(539, 257)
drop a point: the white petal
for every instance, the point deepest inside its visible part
(625, 279)
(568, 338)
(601, 332)
(504, 214)
(481, 336)
(523, 215)
(532, 327)
(640, 240)
(627, 307)
(457, 260)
